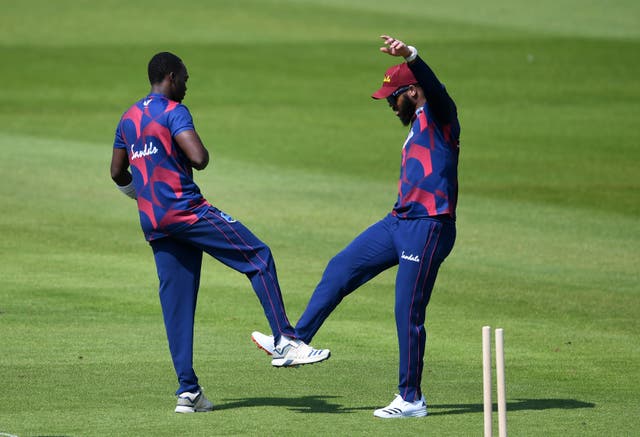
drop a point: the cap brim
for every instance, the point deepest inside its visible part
(383, 92)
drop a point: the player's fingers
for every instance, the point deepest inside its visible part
(387, 39)
(395, 47)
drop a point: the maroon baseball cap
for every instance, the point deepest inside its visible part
(394, 78)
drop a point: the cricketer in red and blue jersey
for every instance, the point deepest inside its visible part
(156, 138)
(428, 184)
(419, 232)
(168, 198)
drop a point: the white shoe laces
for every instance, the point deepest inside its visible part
(298, 348)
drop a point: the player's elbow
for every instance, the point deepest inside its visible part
(116, 173)
(200, 161)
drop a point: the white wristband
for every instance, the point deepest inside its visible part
(413, 55)
(128, 190)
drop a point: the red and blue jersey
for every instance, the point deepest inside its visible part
(168, 198)
(428, 184)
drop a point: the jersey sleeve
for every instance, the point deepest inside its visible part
(180, 120)
(442, 105)
(118, 142)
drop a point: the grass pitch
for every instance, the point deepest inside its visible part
(548, 223)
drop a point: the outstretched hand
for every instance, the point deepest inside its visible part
(395, 47)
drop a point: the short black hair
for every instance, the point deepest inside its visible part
(162, 64)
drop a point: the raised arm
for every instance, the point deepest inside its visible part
(440, 103)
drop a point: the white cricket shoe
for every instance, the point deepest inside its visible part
(264, 342)
(289, 352)
(399, 408)
(193, 402)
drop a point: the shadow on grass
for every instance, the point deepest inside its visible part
(303, 404)
(517, 405)
(327, 404)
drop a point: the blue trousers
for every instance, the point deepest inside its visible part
(418, 247)
(178, 261)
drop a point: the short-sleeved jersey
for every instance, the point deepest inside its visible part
(168, 198)
(428, 184)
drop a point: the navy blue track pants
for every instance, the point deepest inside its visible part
(178, 261)
(418, 247)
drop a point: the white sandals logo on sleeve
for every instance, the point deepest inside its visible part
(149, 149)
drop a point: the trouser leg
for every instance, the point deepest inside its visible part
(423, 245)
(231, 243)
(365, 257)
(178, 267)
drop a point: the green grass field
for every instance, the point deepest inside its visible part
(548, 229)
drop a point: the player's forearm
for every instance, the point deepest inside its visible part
(121, 177)
(124, 182)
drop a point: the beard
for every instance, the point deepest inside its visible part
(406, 111)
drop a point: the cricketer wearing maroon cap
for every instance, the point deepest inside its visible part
(395, 77)
(428, 184)
(417, 235)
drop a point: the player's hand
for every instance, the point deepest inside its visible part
(395, 47)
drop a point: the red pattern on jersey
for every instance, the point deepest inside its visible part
(415, 194)
(419, 152)
(425, 198)
(135, 115)
(164, 176)
(428, 177)
(422, 119)
(168, 198)
(146, 207)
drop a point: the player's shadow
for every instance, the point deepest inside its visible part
(302, 404)
(328, 405)
(517, 405)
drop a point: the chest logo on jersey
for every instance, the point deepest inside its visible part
(149, 149)
(412, 257)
